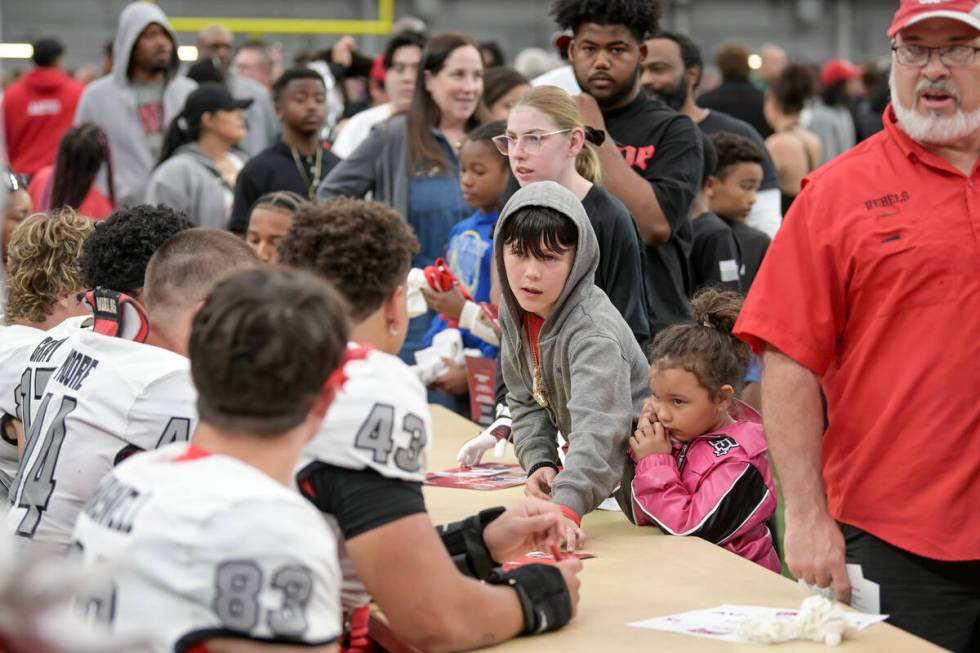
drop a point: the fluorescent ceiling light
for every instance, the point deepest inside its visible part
(187, 53)
(16, 50)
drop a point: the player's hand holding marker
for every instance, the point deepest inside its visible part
(531, 525)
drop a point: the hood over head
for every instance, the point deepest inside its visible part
(581, 278)
(135, 18)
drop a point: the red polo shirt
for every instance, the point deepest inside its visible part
(873, 283)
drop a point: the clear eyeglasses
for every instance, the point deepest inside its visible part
(530, 142)
(952, 56)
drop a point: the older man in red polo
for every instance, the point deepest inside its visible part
(872, 289)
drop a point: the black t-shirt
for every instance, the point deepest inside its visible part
(752, 246)
(717, 121)
(714, 256)
(663, 147)
(620, 272)
(273, 169)
(741, 99)
(360, 500)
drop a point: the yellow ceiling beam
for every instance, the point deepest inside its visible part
(382, 25)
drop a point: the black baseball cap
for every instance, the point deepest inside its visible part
(209, 97)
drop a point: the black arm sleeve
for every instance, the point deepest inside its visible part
(464, 542)
(360, 500)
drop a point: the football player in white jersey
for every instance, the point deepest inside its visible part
(112, 256)
(208, 546)
(365, 467)
(43, 281)
(111, 396)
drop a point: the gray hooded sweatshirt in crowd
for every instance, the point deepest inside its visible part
(111, 103)
(189, 181)
(594, 372)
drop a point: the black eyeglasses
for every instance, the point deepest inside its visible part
(952, 56)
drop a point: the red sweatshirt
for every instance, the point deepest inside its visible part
(37, 111)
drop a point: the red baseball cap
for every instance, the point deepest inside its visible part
(561, 39)
(836, 70)
(911, 12)
(378, 69)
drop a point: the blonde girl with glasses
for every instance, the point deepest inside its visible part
(546, 141)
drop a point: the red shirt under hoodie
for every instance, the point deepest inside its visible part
(37, 111)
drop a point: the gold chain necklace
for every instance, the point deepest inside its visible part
(311, 190)
(537, 381)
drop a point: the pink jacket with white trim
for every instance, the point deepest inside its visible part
(717, 486)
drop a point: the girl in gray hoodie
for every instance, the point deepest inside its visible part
(569, 360)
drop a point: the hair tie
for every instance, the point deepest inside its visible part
(707, 324)
(182, 123)
(595, 136)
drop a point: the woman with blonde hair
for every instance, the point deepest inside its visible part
(547, 141)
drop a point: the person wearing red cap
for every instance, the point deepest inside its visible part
(871, 288)
(828, 116)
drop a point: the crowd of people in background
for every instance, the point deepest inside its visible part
(657, 267)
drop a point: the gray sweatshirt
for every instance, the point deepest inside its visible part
(111, 103)
(190, 182)
(379, 165)
(594, 372)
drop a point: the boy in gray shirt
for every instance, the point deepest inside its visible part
(569, 360)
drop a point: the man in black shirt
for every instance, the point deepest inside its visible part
(652, 159)
(737, 95)
(672, 73)
(299, 161)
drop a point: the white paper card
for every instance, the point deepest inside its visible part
(722, 622)
(610, 504)
(865, 594)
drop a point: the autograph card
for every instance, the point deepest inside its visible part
(487, 476)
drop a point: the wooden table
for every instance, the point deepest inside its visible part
(638, 574)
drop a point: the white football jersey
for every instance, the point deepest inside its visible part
(21, 387)
(107, 396)
(379, 420)
(200, 545)
(16, 342)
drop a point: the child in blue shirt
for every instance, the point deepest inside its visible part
(483, 179)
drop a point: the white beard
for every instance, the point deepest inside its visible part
(933, 129)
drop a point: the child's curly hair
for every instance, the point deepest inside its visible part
(42, 262)
(707, 349)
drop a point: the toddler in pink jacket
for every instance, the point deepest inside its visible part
(701, 466)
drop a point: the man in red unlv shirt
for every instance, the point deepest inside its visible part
(872, 287)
